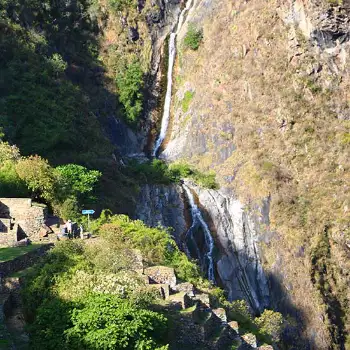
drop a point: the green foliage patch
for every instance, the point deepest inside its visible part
(193, 37)
(187, 100)
(158, 172)
(130, 83)
(65, 188)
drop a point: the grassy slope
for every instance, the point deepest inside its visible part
(290, 143)
(11, 253)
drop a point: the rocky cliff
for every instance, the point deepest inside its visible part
(264, 103)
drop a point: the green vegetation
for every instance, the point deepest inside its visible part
(193, 37)
(80, 293)
(65, 188)
(120, 5)
(42, 111)
(158, 172)
(57, 91)
(130, 83)
(187, 100)
(13, 252)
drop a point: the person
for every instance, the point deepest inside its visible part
(81, 229)
(69, 228)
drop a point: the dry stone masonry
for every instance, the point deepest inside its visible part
(19, 219)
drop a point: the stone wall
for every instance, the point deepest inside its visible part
(23, 213)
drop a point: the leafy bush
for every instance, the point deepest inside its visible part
(270, 323)
(130, 83)
(11, 185)
(193, 37)
(110, 322)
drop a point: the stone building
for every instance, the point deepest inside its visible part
(19, 219)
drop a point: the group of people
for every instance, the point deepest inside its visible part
(72, 229)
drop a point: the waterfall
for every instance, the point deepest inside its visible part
(167, 103)
(198, 221)
(197, 218)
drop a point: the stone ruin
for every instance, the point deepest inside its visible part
(20, 219)
(218, 333)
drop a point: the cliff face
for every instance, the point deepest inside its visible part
(269, 112)
(236, 232)
(164, 206)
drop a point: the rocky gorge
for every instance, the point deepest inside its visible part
(267, 80)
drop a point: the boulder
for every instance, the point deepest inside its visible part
(162, 289)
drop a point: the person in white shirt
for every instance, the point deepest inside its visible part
(69, 227)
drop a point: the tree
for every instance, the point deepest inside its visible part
(38, 176)
(76, 180)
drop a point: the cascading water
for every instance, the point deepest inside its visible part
(167, 103)
(198, 221)
(197, 218)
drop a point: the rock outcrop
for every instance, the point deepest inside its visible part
(162, 205)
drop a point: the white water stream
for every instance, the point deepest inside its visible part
(198, 221)
(197, 218)
(172, 55)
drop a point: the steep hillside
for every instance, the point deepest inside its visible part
(264, 101)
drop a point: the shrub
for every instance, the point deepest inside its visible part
(110, 322)
(120, 5)
(159, 172)
(69, 209)
(11, 185)
(270, 323)
(193, 37)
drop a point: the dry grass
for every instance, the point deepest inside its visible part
(289, 139)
